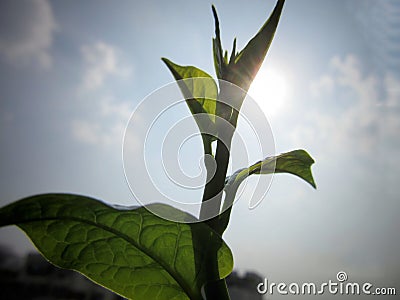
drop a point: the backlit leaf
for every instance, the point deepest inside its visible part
(130, 251)
(247, 63)
(297, 162)
(200, 92)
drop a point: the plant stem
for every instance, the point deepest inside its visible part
(214, 188)
(213, 191)
(217, 290)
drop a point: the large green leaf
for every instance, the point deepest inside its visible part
(130, 251)
(200, 92)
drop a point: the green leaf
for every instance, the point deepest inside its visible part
(219, 61)
(243, 67)
(297, 162)
(130, 251)
(200, 92)
(249, 60)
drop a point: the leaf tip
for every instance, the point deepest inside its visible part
(169, 64)
(216, 21)
(214, 11)
(312, 182)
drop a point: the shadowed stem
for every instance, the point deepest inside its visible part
(214, 188)
(213, 192)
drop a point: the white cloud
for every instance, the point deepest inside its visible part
(392, 87)
(102, 60)
(108, 128)
(325, 84)
(26, 33)
(110, 115)
(86, 131)
(122, 110)
(96, 133)
(349, 74)
(357, 109)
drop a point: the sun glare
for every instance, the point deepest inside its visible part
(269, 89)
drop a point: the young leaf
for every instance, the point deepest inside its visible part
(297, 162)
(247, 63)
(132, 252)
(219, 61)
(243, 67)
(200, 92)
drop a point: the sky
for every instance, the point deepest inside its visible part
(72, 73)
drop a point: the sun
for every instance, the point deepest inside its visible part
(270, 90)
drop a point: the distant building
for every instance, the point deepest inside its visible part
(34, 278)
(244, 287)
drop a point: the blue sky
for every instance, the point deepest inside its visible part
(70, 75)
